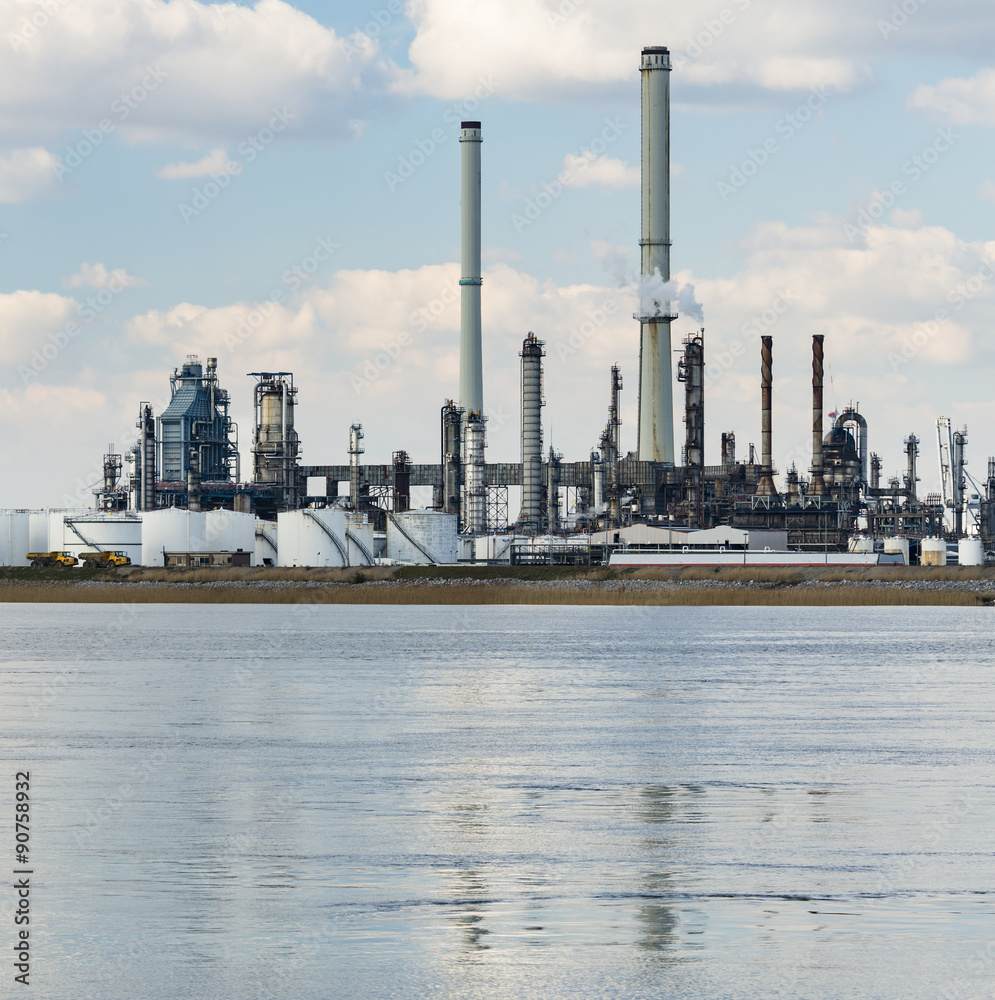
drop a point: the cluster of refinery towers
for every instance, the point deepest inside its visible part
(656, 420)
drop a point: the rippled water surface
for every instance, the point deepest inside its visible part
(310, 802)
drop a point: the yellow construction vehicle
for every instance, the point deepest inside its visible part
(105, 559)
(51, 558)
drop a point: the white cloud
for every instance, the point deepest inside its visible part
(368, 345)
(960, 101)
(26, 174)
(536, 52)
(987, 190)
(213, 163)
(97, 276)
(181, 70)
(27, 318)
(608, 171)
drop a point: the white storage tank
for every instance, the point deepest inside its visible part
(172, 530)
(94, 531)
(177, 530)
(897, 546)
(15, 537)
(231, 531)
(267, 543)
(424, 537)
(324, 537)
(970, 552)
(859, 544)
(38, 531)
(934, 552)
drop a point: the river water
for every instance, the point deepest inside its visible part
(503, 802)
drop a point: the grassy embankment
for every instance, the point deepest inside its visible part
(545, 585)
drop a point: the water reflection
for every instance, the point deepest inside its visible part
(471, 891)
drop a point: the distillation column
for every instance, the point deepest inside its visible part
(656, 404)
(147, 449)
(531, 354)
(355, 450)
(691, 371)
(818, 484)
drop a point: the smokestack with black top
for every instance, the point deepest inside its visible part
(471, 372)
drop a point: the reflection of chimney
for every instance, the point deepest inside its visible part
(656, 406)
(818, 486)
(766, 486)
(471, 373)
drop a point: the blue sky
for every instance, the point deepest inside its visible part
(355, 101)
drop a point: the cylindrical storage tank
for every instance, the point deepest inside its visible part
(361, 541)
(38, 532)
(324, 537)
(103, 533)
(267, 543)
(970, 552)
(895, 546)
(863, 544)
(934, 552)
(15, 537)
(230, 531)
(172, 530)
(423, 537)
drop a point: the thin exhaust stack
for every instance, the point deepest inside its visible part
(766, 487)
(818, 485)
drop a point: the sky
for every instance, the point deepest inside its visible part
(277, 185)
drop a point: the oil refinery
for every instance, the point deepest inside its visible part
(180, 496)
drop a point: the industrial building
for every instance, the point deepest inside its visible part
(654, 503)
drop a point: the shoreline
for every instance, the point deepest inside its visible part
(669, 587)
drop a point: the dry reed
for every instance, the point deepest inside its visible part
(843, 595)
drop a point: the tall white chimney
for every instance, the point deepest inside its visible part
(471, 369)
(656, 400)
